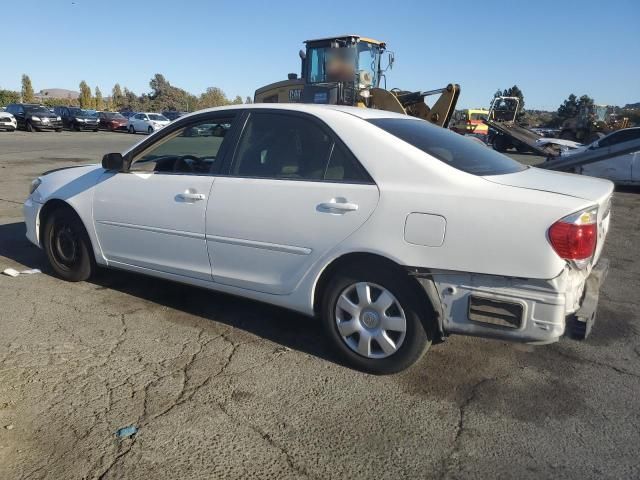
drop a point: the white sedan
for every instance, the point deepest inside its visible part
(146, 122)
(7, 122)
(394, 232)
(623, 169)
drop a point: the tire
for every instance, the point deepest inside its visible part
(345, 330)
(58, 129)
(149, 130)
(29, 127)
(500, 143)
(67, 246)
(77, 128)
(96, 129)
(522, 148)
(131, 129)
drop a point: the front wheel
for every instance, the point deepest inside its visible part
(29, 127)
(67, 246)
(149, 130)
(131, 129)
(374, 319)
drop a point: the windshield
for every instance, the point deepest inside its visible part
(455, 150)
(368, 64)
(331, 64)
(37, 109)
(478, 115)
(78, 112)
(158, 118)
(114, 116)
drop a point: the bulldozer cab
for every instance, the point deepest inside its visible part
(341, 70)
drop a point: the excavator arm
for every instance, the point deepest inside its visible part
(413, 103)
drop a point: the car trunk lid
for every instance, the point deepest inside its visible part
(596, 190)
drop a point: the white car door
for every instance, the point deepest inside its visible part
(153, 216)
(293, 192)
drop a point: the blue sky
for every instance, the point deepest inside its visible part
(548, 48)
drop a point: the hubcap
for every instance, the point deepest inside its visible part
(65, 246)
(370, 320)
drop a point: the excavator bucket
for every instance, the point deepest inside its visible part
(413, 103)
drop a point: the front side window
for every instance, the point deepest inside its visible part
(193, 149)
(158, 118)
(453, 149)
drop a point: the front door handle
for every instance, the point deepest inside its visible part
(190, 197)
(337, 205)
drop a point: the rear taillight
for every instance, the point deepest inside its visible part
(574, 237)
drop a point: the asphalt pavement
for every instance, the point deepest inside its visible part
(221, 387)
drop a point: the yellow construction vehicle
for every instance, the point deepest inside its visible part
(347, 70)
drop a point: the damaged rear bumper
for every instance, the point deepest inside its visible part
(579, 324)
(514, 309)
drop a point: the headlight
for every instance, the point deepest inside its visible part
(34, 185)
(58, 118)
(81, 120)
(35, 119)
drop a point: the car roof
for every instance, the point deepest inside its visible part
(314, 109)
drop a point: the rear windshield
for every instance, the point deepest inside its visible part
(463, 153)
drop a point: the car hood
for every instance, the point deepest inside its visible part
(578, 186)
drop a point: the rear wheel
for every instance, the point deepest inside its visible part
(374, 320)
(67, 246)
(500, 143)
(29, 127)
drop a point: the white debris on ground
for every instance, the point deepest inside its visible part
(12, 272)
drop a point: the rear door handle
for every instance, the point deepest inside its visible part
(191, 197)
(337, 207)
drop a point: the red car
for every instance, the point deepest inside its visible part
(112, 121)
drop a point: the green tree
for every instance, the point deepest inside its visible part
(117, 98)
(99, 100)
(27, 89)
(237, 100)
(130, 101)
(8, 96)
(585, 101)
(85, 95)
(212, 97)
(569, 108)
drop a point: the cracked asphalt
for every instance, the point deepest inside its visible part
(221, 387)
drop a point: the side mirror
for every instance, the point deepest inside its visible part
(113, 161)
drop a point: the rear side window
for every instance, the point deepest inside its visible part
(455, 150)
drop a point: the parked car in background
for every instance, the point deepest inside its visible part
(34, 118)
(75, 118)
(146, 122)
(113, 121)
(173, 114)
(127, 113)
(7, 121)
(623, 169)
(394, 232)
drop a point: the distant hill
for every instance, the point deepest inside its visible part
(57, 93)
(632, 106)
